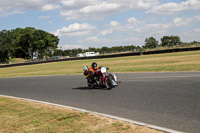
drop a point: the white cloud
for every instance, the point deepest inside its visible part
(76, 9)
(190, 34)
(143, 4)
(136, 4)
(106, 32)
(197, 18)
(50, 22)
(75, 29)
(197, 30)
(112, 27)
(134, 25)
(50, 7)
(177, 20)
(155, 29)
(181, 21)
(185, 21)
(132, 20)
(10, 7)
(114, 23)
(99, 8)
(77, 4)
(172, 8)
(5, 13)
(43, 17)
(83, 9)
(158, 26)
(92, 39)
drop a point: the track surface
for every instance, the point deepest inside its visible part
(170, 100)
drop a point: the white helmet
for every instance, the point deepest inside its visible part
(85, 68)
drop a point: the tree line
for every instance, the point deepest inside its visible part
(103, 50)
(26, 42)
(149, 43)
(166, 41)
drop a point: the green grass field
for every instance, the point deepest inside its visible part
(18, 116)
(170, 62)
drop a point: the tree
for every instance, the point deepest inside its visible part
(24, 42)
(67, 52)
(170, 41)
(33, 40)
(104, 50)
(20, 51)
(45, 42)
(151, 43)
(6, 46)
(90, 49)
(130, 48)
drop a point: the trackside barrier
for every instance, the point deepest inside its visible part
(107, 56)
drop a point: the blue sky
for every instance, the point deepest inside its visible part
(98, 23)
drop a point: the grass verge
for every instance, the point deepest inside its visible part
(23, 116)
(180, 61)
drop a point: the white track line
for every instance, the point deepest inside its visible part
(101, 114)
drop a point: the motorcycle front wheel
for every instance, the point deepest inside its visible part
(109, 83)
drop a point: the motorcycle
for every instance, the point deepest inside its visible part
(104, 79)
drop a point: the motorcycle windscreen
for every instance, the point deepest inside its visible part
(103, 70)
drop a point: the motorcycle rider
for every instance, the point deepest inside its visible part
(93, 72)
(94, 75)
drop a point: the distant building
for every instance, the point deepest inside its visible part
(80, 55)
(87, 54)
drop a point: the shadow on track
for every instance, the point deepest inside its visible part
(86, 88)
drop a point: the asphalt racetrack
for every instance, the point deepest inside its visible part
(170, 100)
